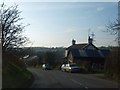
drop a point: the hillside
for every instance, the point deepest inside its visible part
(45, 49)
(15, 74)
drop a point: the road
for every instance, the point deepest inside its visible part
(59, 79)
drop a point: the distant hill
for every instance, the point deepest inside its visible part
(45, 49)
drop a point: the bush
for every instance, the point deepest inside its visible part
(112, 69)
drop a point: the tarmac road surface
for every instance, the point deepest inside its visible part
(59, 79)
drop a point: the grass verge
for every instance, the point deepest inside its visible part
(15, 76)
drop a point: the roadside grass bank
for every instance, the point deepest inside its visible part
(112, 65)
(15, 74)
(117, 80)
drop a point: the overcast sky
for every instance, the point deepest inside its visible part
(55, 24)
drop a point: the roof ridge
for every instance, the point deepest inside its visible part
(77, 45)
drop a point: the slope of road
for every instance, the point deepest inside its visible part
(58, 79)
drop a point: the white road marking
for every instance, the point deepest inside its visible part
(86, 87)
(78, 83)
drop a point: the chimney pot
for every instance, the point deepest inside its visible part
(73, 42)
(90, 40)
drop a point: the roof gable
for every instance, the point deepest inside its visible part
(90, 46)
(75, 53)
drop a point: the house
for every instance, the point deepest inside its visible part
(87, 55)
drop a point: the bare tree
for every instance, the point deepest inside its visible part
(12, 28)
(114, 27)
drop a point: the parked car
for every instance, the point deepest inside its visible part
(63, 67)
(46, 67)
(72, 68)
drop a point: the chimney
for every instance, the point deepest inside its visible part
(73, 42)
(90, 40)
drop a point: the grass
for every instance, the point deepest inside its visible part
(15, 76)
(108, 78)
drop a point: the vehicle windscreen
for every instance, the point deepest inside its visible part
(73, 65)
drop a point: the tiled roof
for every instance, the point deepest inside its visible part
(77, 46)
(76, 53)
(87, 51)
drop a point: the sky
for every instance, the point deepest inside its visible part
(55, 24)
